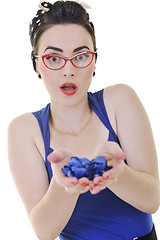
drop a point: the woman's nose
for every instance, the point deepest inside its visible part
(69, 70)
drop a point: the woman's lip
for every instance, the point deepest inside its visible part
(69, 91)
(68, 84)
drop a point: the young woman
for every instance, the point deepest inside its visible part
(111, 123)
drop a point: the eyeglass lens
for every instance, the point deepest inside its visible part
(56, 62)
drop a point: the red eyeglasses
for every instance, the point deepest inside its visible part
(56, 62)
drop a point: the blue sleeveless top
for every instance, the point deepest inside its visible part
(102, 216)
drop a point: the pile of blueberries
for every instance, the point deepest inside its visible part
(82, 167)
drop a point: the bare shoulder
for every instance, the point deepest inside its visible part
(26, 126)
(25, 122)
(125, 100)
(120, 92)
(122, 99)
(115, 97)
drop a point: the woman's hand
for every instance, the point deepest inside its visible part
(115, 157)
(60, 158)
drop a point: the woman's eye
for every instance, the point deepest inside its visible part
(81, 57)
(53, 59)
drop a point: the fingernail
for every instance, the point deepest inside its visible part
(84, 184)
(106, 177)
(73, 183)
(100, 181)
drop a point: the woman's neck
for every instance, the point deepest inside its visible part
(70, 119)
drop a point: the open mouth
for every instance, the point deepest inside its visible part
(69, 88)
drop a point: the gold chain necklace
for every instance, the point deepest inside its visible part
(77, 133)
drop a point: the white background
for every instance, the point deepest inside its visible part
(128, 41)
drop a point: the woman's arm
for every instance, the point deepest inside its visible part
(136, 183)
(49, 206)
(139, 182)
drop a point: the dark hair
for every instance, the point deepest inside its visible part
(61, 12)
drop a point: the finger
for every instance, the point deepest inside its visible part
(114, 150)
(55, 157)
(77, 189)
(67, 181)
(81, 185)
(108, 174)
(95, 190)
(91, 185)
(84, 181)
(58, 155)
(120, 155)
(98, 180)
(71, 181)
(115, 155)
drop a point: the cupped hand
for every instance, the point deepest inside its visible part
(115, 157)
(110, 150)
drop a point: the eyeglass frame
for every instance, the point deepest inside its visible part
(66, 59)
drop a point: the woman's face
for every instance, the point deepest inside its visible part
(66, 41)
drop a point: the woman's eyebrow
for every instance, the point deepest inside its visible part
(54, 48)
(80, 48)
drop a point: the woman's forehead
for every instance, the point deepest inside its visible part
(66, 37)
